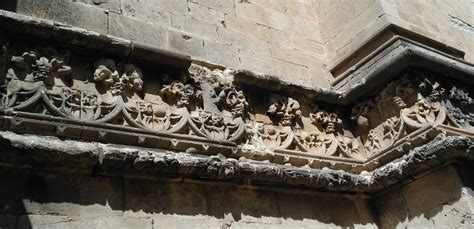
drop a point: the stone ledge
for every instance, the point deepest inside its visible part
(53, 154)
(394, 57)
(35, 28)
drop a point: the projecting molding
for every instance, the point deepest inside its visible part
(399, 99)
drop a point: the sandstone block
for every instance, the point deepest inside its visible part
(243, 204)
(265, 16)
(76, 14)
(241, 25)
(223, 54)
(187, 44)
(341, 14)
(110, 5)
(137, 30)
(195, 27)
(60, 195)
(147, 11)
(428, 192)
(205, 14)
(391, 209)
(179, 222)
(150, 198)
(274, 35)
(225, 6)
(54, 221)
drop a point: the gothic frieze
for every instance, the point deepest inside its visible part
(204, 111)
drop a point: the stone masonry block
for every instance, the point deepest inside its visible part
(294, 56)
(307, 29)
(153, 198)
(179, 221)
(64, 195)
(110, 5)
(244, 42)
(174, 6)
(432, 190)
(243, 204)
(241, 25)
(391, 209)
(137, 30)
(55, 221)
(340, 15)
(259, 63)
(72, 13)
(265, 16)
(187, 44)
(225, 6)
(310, 46)
(195, 27)
(274, 35)
(147, 11)
(221, 53)
(205, 14)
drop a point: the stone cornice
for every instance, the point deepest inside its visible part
(57, 83)
(30, 28)
(92, 158)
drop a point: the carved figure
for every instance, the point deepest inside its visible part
(39, 67)
(286, 109)
(129, 77)
(180, 94)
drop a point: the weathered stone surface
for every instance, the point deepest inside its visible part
(168, 198)
(71, 196)
(80, 15)
(187, 43)
(137, 30)
(110, 5)
(427, 193)
(436, 206)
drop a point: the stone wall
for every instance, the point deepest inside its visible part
(443, 199)
(346, 25)
(74, 201)
(35, 199)
(273, 37)
(298, 41)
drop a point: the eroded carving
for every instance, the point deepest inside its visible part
(286, 110)
(211, 114)
(180, 94)
(39, 66)
(118, 78)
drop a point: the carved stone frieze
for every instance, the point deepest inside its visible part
(204, 110)
(285, 109)
(40, 65)
(118, 77)
(180, 94)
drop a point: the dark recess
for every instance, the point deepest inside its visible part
(8, 5)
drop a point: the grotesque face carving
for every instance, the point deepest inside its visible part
(131, 78)
(329, 121)
(237, 102)
(179, 92)
(287, 110)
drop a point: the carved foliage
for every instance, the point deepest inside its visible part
(210, 108)
(40, 65)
